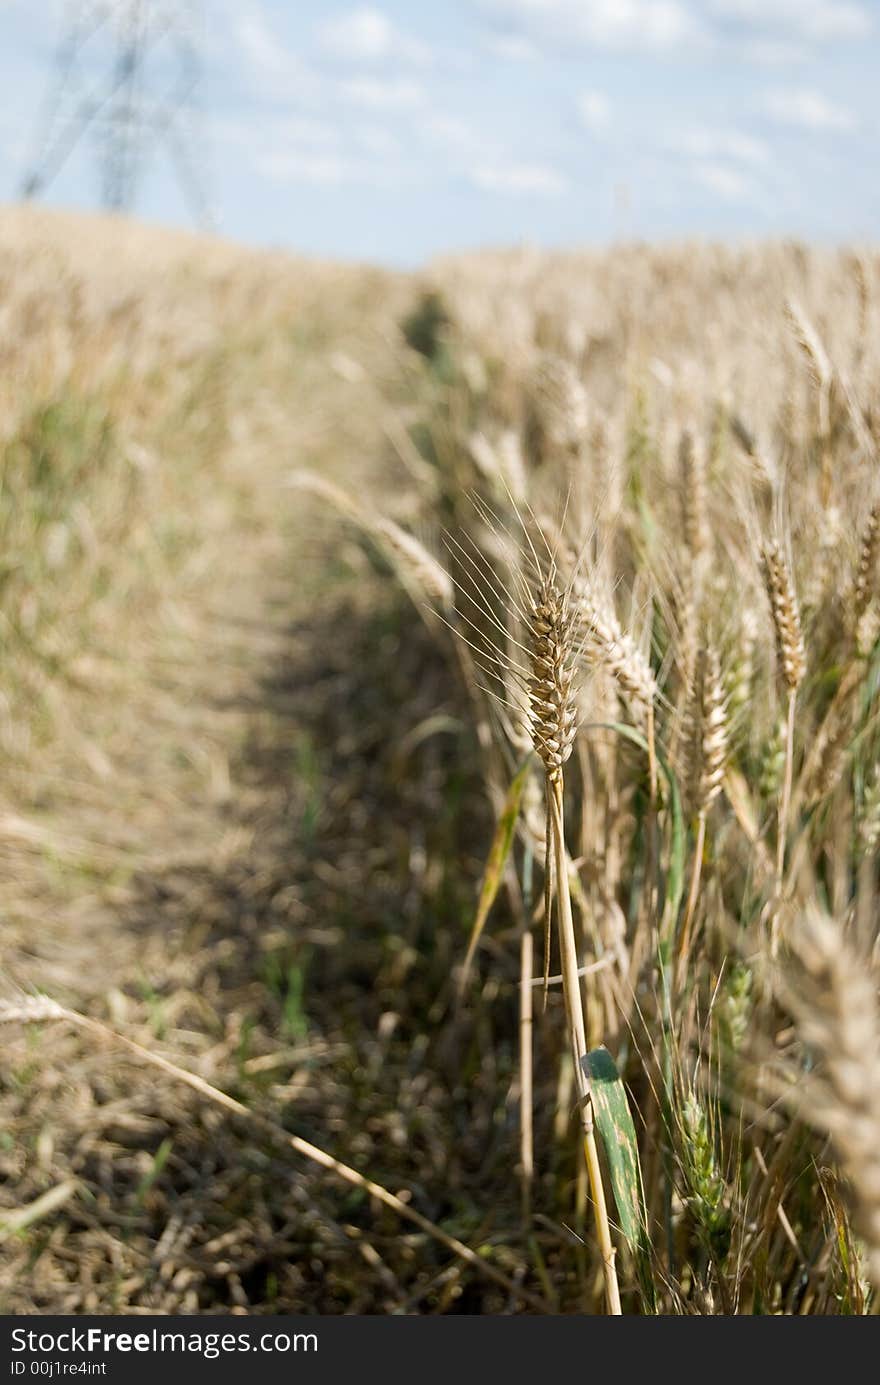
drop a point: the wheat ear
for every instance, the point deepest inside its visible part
(869, 551)
(708, 724)
(816, 357)
(791, 659)
(605, 644)
(694, 522)
(865, 616)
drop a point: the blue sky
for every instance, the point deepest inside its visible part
(393, 131)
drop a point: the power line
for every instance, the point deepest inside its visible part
(126, 72)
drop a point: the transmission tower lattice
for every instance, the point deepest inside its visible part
(126, 72)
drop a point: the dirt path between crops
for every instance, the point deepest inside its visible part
(154, 775)
(151, 876)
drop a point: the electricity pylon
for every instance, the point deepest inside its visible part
(126, 72)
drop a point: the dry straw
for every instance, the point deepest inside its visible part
(41, 1009)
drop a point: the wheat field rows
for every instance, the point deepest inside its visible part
(441, 811)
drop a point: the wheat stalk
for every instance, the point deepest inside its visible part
(416, 565)
(554, 724)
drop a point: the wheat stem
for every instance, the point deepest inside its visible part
(526, 1023)
(651, 738)
(577, 1036)
(684, 942)
(651, 855)
(785, 795)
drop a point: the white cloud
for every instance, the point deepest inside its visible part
(258, 44)
(609, 24)
(275, 132)
(457, 137)
(378, 142)
(594, 110)
(518, 180)
(323, 151)
(804, 109)
(730, 184)
(298, 166)
(263, 51)
(515, 48)
(763, 31)
(374, 95)
(306, 132)
(711, 144)
(330, 170)
(271, 68)
(368, 36)
(814, 21)
(774, 52)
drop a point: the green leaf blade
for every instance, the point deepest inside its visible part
(617, 1134)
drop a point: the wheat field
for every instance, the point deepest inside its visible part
(440, 740)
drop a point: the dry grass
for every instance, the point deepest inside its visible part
(250, 774)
